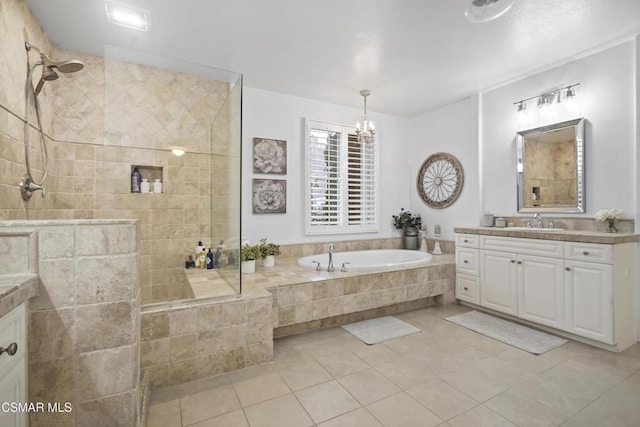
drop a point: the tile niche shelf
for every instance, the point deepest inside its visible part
(151, 173)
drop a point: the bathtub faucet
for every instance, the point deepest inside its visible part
(330, 267)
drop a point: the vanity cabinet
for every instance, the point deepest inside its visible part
(586, 289)
(13, 378)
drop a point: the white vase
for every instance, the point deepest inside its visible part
(248, 267)
(269, 261)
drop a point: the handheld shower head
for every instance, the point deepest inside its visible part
(49, 67)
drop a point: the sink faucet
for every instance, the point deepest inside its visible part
(539, 218)
(330, 267)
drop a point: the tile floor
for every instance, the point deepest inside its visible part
(443, 376)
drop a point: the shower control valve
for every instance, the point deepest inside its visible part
(27, 187)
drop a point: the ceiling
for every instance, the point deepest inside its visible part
(414, 55)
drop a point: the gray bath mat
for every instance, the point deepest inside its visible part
(380, 329)
(515, 335)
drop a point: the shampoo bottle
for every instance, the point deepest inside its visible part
(198, 255)
(136, 179)
(209, 259)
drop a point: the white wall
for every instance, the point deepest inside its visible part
(605, 98)
(454, 130)
(274, 115)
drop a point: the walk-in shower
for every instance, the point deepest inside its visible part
(50, 68)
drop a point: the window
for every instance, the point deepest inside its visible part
(342, 180)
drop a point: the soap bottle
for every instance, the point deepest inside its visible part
(203, 257)
(135, 180)
(198, 254)
(157, 186)
(144, 186)
(209, 259)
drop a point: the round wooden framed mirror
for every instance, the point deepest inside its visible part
(440, 180)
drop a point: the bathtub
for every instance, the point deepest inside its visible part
(369, 260)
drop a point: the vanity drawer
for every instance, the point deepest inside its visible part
(468, 288)
(467, 240)
(593, 252)
(538, 247)
(467, 261)
(12, 330)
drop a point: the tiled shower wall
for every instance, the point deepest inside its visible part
(84, 325)
(109, 116)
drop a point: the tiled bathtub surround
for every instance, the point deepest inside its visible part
(84, 324)
(181, 344)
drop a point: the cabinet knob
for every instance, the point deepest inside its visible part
(568, 268)
(465, 261)
(585, 253)
(512, 261)
(466, 289)
(11, 349)
(519, 262)
(466, 241)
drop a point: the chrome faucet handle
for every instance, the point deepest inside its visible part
(528, 223)
(318, 267)
(331, 247)
(344, 268)
(551, 224)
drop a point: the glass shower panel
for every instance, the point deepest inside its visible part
(153, 106)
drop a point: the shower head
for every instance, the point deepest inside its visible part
(50, 67)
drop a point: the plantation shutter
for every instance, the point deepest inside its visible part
(342, 181)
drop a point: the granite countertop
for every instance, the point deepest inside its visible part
(580, 236)
(15, 289)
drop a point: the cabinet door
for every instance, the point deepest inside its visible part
(541, 290)
(589, 300)
(13, 389)
(498, 282)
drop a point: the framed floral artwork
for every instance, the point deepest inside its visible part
(269, 156)
(269, 196)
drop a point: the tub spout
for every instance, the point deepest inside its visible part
(330, 267)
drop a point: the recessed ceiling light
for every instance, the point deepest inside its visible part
(127, 16)
(177, 152)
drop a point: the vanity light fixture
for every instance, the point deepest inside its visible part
(548, 98)
(127, 16)
(367, 132)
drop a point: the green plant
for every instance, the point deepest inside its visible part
(268, 248)
(406, 219)
(249, 252)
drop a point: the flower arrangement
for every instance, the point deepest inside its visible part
(249, 252)
(405, 220)
(610, 216)
(268, 248)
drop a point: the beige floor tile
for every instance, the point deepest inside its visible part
(163, 395)
(633, 351)
(327, 400)
(301, 376)
(368, 386)
(287, 357)
(376, 354)
(624, 399)
(342, 363)
(258, 389)
(251, 372)
(442, 399)
(599, 414)
(198, 407)
(524, 411)
(407, 372)
(503, 371)
(530, 362)
(232, 419)
(613, 364)
(402, 410)
(547, 393)
(474, 384)
(567, 381)
(198, 386)
(480, 416)
(463, 353)
(358, 418)
(284, 411)
(164, 414)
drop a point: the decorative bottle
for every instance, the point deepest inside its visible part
(209, 259)
(144, 186)
(157, 186)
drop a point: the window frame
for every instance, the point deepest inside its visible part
(343, 227)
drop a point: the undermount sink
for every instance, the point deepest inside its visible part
(532, 229)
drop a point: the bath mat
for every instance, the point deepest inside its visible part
(515, 335)
(380, 329)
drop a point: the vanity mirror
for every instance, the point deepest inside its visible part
(550, 167)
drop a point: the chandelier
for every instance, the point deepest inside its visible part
(367, 132)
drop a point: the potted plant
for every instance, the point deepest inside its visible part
(248, 255)
(268, 252)
(409, 224)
